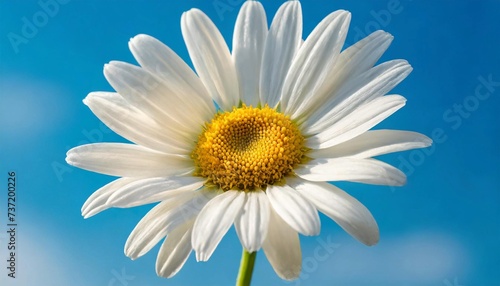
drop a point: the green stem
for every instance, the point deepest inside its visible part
(246, 268)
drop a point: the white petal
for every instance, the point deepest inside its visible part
(138, 87)
(359, 121)
(361, 56)
(348, 65)
(153, 97)
(131, 123)
(214, 221)
(282, 248)
(357, 91)
(127, 160)
(162, 219)
(299, 213)
(180, 80)
(368, 171)
(152, 190)
(248, 44)
(345, 210)
(174, 251)
(313, 62)
(211, 58)
(373, 143)
(282, 43)
(252, 222)
(130, 192)
(97, 201)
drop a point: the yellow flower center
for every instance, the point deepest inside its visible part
(248, 148)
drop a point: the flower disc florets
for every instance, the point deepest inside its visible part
(248, 148)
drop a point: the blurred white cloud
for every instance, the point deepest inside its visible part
(418, 258)
(41, 258)
(30, 107)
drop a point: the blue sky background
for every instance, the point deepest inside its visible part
(442, 228)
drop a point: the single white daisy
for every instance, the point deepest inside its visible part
(289, 117)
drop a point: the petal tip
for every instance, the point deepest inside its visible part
(374, 238)
(106, 69)
(137, 37)
(372, 241)
(87, 100)
(129, 252)
(134, 41)
(69, 158)
(290, 275)
(200, 257)
(346, 13)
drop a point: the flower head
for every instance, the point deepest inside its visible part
(289, 116)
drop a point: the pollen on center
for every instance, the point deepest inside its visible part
(248, 148)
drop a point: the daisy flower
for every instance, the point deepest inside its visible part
(251, 138)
